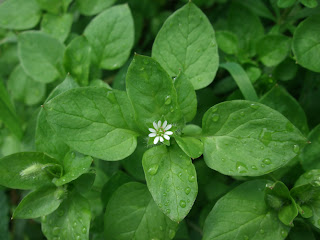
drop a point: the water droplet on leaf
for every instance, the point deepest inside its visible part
(241, 167)
(182, 204)
(84, 230)
(254, 167)
(153, 170)
(187, 190)
(266, 161)
(254, 106)
(172, 233)
(296, 148)
(215, 117)
(191, 178)
(167, 100)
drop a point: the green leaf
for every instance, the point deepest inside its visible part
(70, 221)
(259, 8)
(243, 214)
(186, 42)
(57, 26)
(186, 96)
(111, 36)
(8, 114)
(132, 214)
(310, 155)
(46, 139)
(309, 3)
(273, 49)
(74, 165)
(191, 146)
(94, 121)
(151, 92)
(116, 181)
(40, 55)
(306, 192)
(27, 170)
(278, 197)
(279, 99)
(19, 14)
(24, 88)
(92, 7)
(133, 163)
(286, 70)
(39, 203)
(54, 6)
(227, 42)
(85, 182)
(242, 80)
(250, 31)
(285, 3)
(306, 43)
(4, 216)
(243, 138)
(77, 60)
(171, 179)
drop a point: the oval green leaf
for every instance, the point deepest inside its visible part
(243, 214)
(186, 42)
(139, 218)
(171, 179)
(243, 138)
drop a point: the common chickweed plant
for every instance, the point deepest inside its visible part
(156, 120)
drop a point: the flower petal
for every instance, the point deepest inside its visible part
(152, 134)
(168, 127)
(156, 140)
(169, 133)
(164, 124)
(161, 139)
(166, 137)
(155, 125)
(159, 123)
(152, 130)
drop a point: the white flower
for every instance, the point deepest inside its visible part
(160, 132)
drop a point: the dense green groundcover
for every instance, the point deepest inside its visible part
(156, 120)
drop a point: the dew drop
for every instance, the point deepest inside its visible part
(191, 178)
(296, 148)
(284, 233)
(56, 230)
(74, 224)
(182, 204)
(160, 205)
(78, 237)
(254, 106)
(180, 174)
(172, 233)
(215, 117)
(167, 100)
(241, 167)
(84, 230)
(241, 114)
(266, 161)
(111, 97)
(262, 165)
(245, 237)
(265, 136)
(44, 219)
(153, 170)
(168, 211)
(171, 109)
(254, 167)
(187, 190)
(29, 211)
(145, 61)
(214, 109)
(261, 231)
(73, 155)
(60, 213)
(223, 159)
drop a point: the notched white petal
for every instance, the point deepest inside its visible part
(166, 137)
(156, 140)
(152, 130)
(159, 123)
(169, 133)
(155, 125)
(164, 124)
(168, 127)
(152, 134)
(161, 139)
